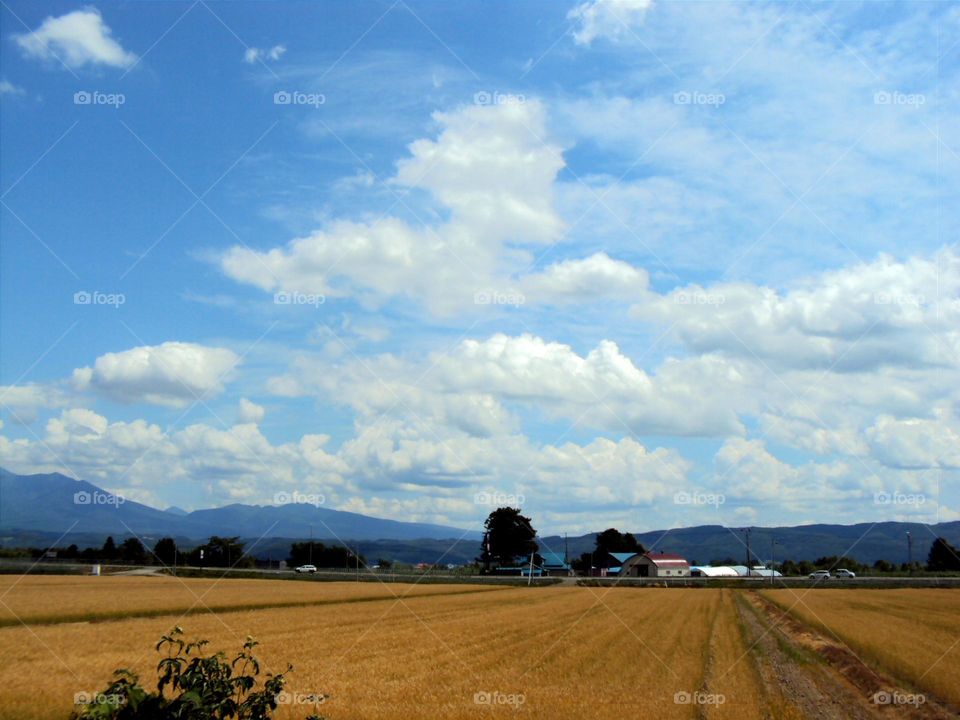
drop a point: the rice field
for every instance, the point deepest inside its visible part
(407, 651)
(913, 634)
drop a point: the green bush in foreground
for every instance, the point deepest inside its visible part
(193, 686)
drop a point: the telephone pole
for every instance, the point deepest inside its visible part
(749, 554)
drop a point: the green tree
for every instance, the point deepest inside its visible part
(166, 551)
(220, 552)
(612, 540)
(109, 549)
(132, 551)
(192, 686)
(509, 536)
(943, 557)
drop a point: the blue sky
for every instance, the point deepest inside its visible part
(617, 258)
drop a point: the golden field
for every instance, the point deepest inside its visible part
(540, 652)
(912, 634)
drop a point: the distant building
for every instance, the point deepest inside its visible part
(655, 564)
(554, 564)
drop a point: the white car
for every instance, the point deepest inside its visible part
(820, 575)
(306, 569)
(844, 573)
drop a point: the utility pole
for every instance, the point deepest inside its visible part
(310, 561)
(749, 554)
(566, 549)
(773, 565)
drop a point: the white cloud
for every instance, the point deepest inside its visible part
(77, 39)
(610, 19)
(253, 55)
(8, 88)
(173, 374)
(24, 401)
(491, 170)
(250, 412)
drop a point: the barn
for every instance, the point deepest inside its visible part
(656, 565)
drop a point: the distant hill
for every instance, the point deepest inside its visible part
(866, 542)
(39, 510)
(58, 504)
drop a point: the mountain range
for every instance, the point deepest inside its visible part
(39, 510)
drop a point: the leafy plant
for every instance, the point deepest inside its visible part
(192, 685)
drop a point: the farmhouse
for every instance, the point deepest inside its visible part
(655, 564)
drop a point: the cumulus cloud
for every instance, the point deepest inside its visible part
(78, 38)
(253, 55)
(609, 19)
(173, 374)
(250, 412)
(23, 402)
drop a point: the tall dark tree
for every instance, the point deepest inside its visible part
(109, 549)
(943, 556)
(132, 551)
(509, 536)
(612, 540)
(323, 556)
(165, 551)
(221, 552)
